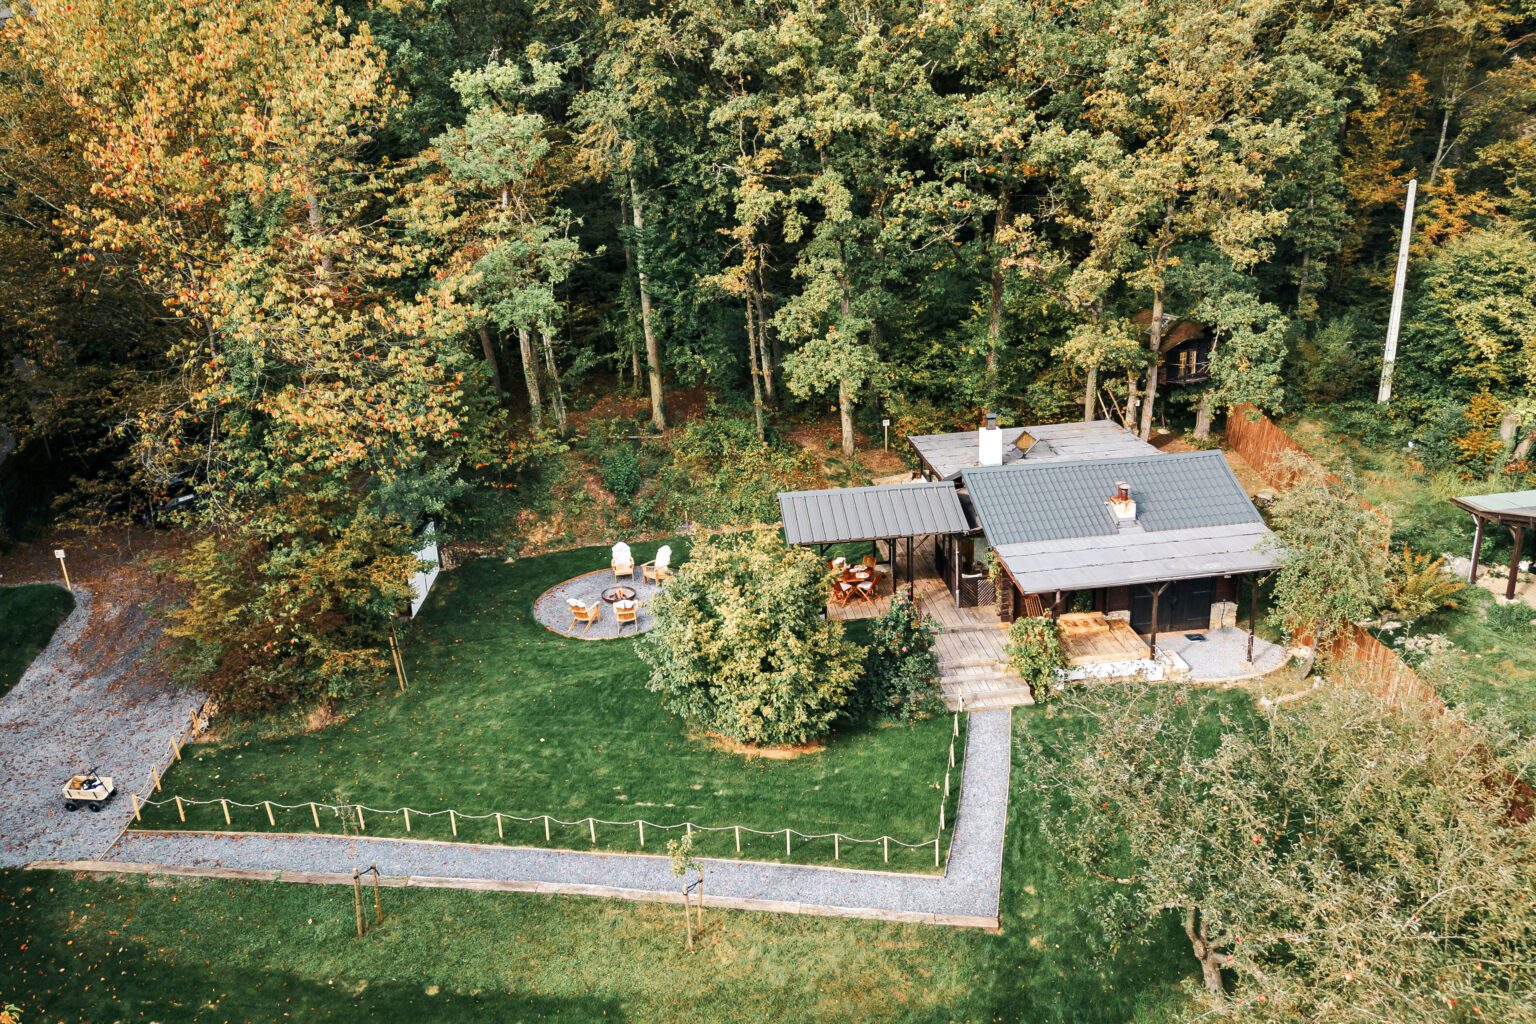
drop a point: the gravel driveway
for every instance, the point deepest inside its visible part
(969, 888)
(92, 698)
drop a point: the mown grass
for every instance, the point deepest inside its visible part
(28, 617)
(1492, 672)
(79, 948)
(504, 716)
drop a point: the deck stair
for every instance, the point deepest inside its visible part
(973, 673)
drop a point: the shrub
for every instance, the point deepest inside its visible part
(1417, 584)
(901, 670)
(740, 646)
(621, 472)
(1035, 652)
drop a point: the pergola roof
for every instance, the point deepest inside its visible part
(1517, 508)
(950, 454)
(872, 513)
(1139, 556)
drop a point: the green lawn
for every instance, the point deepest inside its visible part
(97, 949)
(1493, 671)
(504, 716)
(28, 617)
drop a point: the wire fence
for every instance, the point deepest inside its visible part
(358, 818)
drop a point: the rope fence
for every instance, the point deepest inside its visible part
(358, 816)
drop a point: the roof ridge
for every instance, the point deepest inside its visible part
(1062, 463)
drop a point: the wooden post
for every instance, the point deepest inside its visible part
(687, 918)
(59, 554)
(135, 797)
(592, 829)
(407, 811)
(357, 903)
(225, 805)
(360, 827)
(941, 815)
(641, 823)
(738, 838)
(946, 785)
(951, 753)
(1514, 564)
(701, 901)
(316, 812)
(191, 714)
(1477, 548)
(786, 842)
(935, 851)
(1253, 612)
(546, 828)
(957, 724)
(837, 846)
(885, 841)
(399, 658)
(155, 774)
(378, 907)
(453, 822)
(180, 811)
(271, 821)
(498, 826)
(175, 749)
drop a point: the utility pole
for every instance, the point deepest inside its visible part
(1395, 321)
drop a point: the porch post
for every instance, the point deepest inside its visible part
(1157, 593)
(911, 582)
(1253, 611)
(1514, 563)
(1477, 548)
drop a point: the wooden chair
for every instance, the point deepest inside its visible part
(627, 613)
(585, 613)
(659, 570)
(870, 561)
(623, 561)
(866, 590)
(841, 592)
(1032, 606)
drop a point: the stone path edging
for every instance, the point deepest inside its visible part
(966, 895)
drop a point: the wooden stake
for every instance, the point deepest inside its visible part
(453, 822)
(175, 749)
(738, 838)
(135, 797)
(191, 714)
(951, 753)
(225, 805)
(886, 842)
(357, 903)
(407, 811)
(935, 851)
(498, 826)
(946, 783)
(786, 842)
(546, 828)
(180, 812)
(957, 723)
(316, 812)
(837, 847)
(156, 776)
(592, 828)
(941, 815)
(59, 554)
(641, 823)
(270, 820)
(688, 829)
(378, 907)
(360, 827)
(701, 901)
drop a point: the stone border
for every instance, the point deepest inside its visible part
(534, 611)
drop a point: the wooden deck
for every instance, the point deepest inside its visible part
(933, 599)
(1090, 639)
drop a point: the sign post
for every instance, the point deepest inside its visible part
(59, 554)
(886, 423)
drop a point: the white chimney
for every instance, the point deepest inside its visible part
(990, 443)
(1122, 506)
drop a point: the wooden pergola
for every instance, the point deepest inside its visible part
(1514, 510)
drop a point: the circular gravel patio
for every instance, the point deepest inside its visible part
(553, 614)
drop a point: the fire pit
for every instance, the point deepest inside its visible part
(614, 594)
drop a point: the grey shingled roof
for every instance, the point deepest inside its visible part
(1057, 500)
(871, 513)
(950, 454)
(1140, 556)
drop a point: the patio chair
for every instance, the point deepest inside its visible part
(659, 570)
(839, 563)
(840, 593)
(588, 613)
(870, 561)
(623, 561)
(627, 613)
(866, 590)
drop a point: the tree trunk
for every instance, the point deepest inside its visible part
(1091, 395)
(995, 300)
(531, 375)
(1131, 396)
(629, 272)
(1210, 959)
(764, 356)
(488, 347)
(1523, 449)
(557, 400)
(652, 345)
(1203, 416)
(845, 411)
(754, 370)
(1155, 343)
(317, 229)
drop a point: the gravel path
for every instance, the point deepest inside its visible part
(90, 699)
(969, 888)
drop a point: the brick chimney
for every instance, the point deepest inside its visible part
(1122, 506)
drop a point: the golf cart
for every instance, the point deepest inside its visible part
(89, 789)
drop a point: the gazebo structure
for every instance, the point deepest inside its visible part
(1514, 510)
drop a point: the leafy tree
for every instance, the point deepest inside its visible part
(901, 670)
(1336, 554)
(1036, 653)
(1335, 859)
(741, 646)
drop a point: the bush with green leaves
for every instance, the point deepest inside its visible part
(1036, 653)
(741, 647)
(621, 472)
(901, 670)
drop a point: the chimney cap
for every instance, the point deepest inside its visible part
(990, 422)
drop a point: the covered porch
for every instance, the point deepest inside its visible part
(1512, 510)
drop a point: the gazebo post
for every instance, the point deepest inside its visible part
(1514, 563)
(1253, 611)
(911, 583)
(1477, 548)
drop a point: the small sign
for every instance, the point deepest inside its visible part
(885, 423)
(58, 553)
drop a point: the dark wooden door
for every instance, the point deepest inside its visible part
(1184, 605)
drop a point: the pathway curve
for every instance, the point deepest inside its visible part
(92, 699)
(966, 894)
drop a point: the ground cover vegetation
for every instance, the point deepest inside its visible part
(501, 714)
(28, 617)
(401, 264)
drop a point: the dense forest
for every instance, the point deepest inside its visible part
(334, 269)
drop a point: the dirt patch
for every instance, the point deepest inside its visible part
(784, 752)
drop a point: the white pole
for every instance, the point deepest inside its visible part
(1395, 321)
